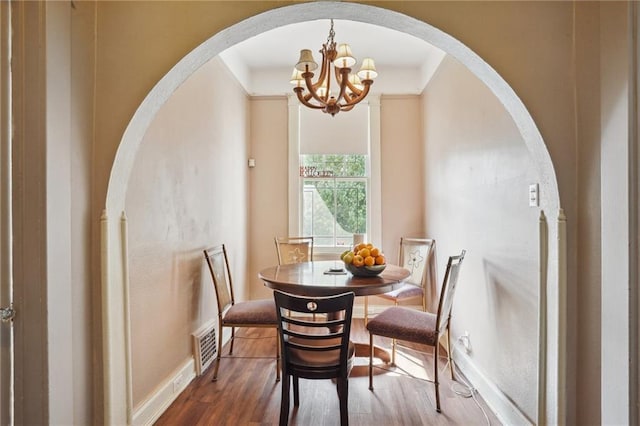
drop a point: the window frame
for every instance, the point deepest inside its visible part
(374, 187)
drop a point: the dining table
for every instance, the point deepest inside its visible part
(327, 278)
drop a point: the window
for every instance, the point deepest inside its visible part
(334, 197)
(334, 175)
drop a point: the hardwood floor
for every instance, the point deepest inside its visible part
(246, 392)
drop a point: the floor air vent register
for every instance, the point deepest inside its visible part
(204, 347)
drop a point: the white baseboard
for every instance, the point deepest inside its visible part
(159, 400)
(500, 404)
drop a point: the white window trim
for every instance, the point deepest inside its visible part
(374, 214)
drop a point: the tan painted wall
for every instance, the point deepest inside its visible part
(268, 183)
(188, 191)
(587, 293)
(401, 150)
(528, 43)
(477, 175)
(525, 42)
(614, 126)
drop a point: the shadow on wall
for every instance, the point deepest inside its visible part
(512, 312)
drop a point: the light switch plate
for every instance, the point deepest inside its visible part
(533, 195)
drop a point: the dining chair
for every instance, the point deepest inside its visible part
(294, 249)
(411, 325)
(232, 314)
(418, 256)
(318, 349)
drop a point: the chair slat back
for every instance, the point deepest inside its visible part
(449, 286)
(417, 255)
(294, 249)
(326, 333)
(218, 263)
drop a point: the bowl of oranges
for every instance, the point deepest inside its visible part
(364, 260)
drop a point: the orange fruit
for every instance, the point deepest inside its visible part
(375, 252)
(364, 252)
(357, 260)
(369, 260)
(380, 260)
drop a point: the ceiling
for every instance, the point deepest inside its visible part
(263, 64)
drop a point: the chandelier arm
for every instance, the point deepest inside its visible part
(324, 71)
(353, 88)
(342, 79)
(304, 100)
(329, 76)
(360, 97)
(307, 78)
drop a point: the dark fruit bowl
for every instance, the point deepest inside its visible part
(365, 271)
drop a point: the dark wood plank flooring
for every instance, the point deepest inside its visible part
(246, 392)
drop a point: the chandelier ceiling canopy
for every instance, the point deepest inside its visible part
(350, 89)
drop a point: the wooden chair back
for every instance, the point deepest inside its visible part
(418, 256)
(324, 342)
(449, 285)
(294, 249)
(218, 263)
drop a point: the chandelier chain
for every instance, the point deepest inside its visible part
(331, 35)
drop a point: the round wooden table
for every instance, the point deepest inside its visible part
(313, 279)
(316, 279)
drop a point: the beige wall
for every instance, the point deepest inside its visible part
(587, 293)
(401, 150)
(188, 191)
(614, 330)
(401, 168)
(534, 62)
(477, 175)
(530, 44)
(268, 183)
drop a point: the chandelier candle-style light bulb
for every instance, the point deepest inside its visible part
(350, 88)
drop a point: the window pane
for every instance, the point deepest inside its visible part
(334, 199)
(334, 209)
(351, 206)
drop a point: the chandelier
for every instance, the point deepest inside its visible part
(351, 88)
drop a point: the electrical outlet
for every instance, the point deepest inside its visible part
(466, 342)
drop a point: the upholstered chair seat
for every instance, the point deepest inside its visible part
(405, 324)
(252, 312)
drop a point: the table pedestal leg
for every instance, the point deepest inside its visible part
(362, 350)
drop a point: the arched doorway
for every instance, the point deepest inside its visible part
(115, 276)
